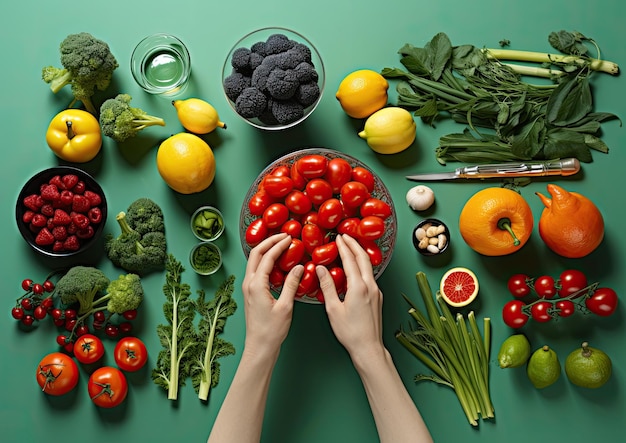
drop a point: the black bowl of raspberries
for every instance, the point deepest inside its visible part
(61, 211)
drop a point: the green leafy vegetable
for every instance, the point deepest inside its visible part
(518, 120)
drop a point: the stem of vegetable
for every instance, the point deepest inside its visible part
(505, 224)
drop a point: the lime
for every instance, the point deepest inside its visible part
(514, 351)
(543, 367)
(588, 367)
(458, 287)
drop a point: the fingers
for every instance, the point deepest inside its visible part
(264, 255)
(362, 259)
(288, 293)
(327, 286)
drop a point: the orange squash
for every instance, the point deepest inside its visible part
(571, 225)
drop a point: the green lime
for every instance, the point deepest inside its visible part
(588, 367)
(514, 351)
(543, 367)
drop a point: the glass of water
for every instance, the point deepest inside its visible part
(161, 65)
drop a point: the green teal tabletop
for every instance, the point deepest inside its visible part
(315, 395)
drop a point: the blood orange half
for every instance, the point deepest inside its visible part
(458, 287)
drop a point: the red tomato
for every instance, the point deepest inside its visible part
(277, 277)
(259, 202)
(349, 211)
(602, 302)
(318, 190)
(312, 236)
(325, 254)
(364, 176)
(540, 311)
(57, 374)
(107, 387)
(330, 213)
(544, 286)
(375, 206)
(338, 173)
(309, 282)
(256, 232)
(292, 256)
(298, 202)
(130, 354)
(292, 227)
(349, 226)
(517, 285)
(339, 277)
(513, 314)
(371, 227)
(571, 281)
(277, 186)
(354, 193)
(312, 166)
(88, 349)
(373, 251)
(275, 215)
(310, 218)
(299, 182)
(565, 308)
(282, 171)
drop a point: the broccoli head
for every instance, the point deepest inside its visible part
(120, 121)
(145, 216)
(124, 294)
(80, 285)
(88, 65)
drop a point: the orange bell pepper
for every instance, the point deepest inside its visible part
(74, 135)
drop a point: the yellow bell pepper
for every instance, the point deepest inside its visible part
(74, 135)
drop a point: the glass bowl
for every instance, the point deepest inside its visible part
(208, 252)
(429, 243)
(385, 243)
(248, 69)
(207, 223)
(80, 238)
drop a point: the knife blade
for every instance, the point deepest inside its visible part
(564, 167)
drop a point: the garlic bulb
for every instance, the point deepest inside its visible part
(420, 198)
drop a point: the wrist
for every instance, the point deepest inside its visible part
(365, 359)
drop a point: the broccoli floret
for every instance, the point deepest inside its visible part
(88, 64)
(277, 43)
(235, 83)
(124, 294)
(120, 121)
(139, 249)
(251, 103)
(287, 111)
(80, 285)
(307, 93)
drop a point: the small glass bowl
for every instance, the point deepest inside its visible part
(205, 250)
(431, 243)
(260, 36)
(201, 224)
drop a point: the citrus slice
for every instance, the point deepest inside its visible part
(458, 287)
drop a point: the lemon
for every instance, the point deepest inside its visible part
(197, 115)
(389, 130)
(186, 163)
(588, 367)
(543, 367)
(514, 351)
(362, 92)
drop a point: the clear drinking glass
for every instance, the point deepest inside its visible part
(161, 65)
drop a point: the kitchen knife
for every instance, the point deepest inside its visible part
(564, 167)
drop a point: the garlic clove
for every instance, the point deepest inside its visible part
(420, 198)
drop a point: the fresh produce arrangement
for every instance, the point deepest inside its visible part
(121, 121)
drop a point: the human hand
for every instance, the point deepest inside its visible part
(268, 319)
(357, 321)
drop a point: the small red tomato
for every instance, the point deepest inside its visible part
(27, 283)
(544, 286)
(107, 387)
(364, 176)
(277, 186)
(318, 190)
(277, 277)
(88, 349)
(571, 281)
(602, 302)
(339, 277)
(312, 236)
(312, 166)
(513, 314)
(518, 286)
(131, 314)
(565, 308)
(310, 218)
(325, 254)
(373, 251)
(298, 202)
(375, 206)
(256, 232)
(309, 281)
(371, 227)
(540, 311)
(292, 256)
(329, 213)
(282, 171)
(349, 226)
(130, 354)
(259, 202)
(292, 227)
(338, 173)
(299, 182)
(354, 193)
(275, 215)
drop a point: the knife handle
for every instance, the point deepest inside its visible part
(567, 166)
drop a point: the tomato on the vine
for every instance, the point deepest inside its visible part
(318, 190)
(338, 173)
(329, 213)
(518, 286)
(540, 311)
(364, 176)
(571, 281)
(107, 387)
(545, 287)
(57, 374)
(88, 349)
(130, 354)
(513, 314)
(565, 308)
(602, 302)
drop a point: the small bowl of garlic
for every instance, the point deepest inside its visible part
(431, 237)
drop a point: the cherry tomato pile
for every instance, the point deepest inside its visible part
(545, 298)
(38, 303)
(313, 199)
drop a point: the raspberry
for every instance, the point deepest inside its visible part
(79, 187)
(47, 210)
(57, 246)
(71, 228)
(69, 180)
(28, 216)
(61, 218)
(93, 197)
(80, 204)
(71, 243)
(85, 233)
(59, 233)
(95, 215)
(66, 198)
(80, 220)
(44, 237)
(33, 202)
(50, 193)
(56, 181)
(39, 221)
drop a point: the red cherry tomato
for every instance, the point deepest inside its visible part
(375, 206)
(310, 218)
(299, 182)
(565, 308)
(544, 286)
(349, 226)
(312, 236)
(338, 173)
(256, 232)
(259, 202)
(130, 354)
(518, 286)
(371, 227)
(292, 227)
(571, 281)
(373, 251)
(292, 256)
(330, 213)
(88, 349)
(364, 176)
(540, 311)
(275, 215)
(277, 277)
(277, 186)
(354, 193)
(318, 190)
(312, 166)
(513, 314)
(282, 171)
(309, 282)
(339, 277)
(298, 202)
(602, 302)
(107, 387)
(325, 254)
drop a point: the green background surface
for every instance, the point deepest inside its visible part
(316, 395)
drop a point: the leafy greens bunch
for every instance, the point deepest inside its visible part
(525, 121)
(189, 351)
